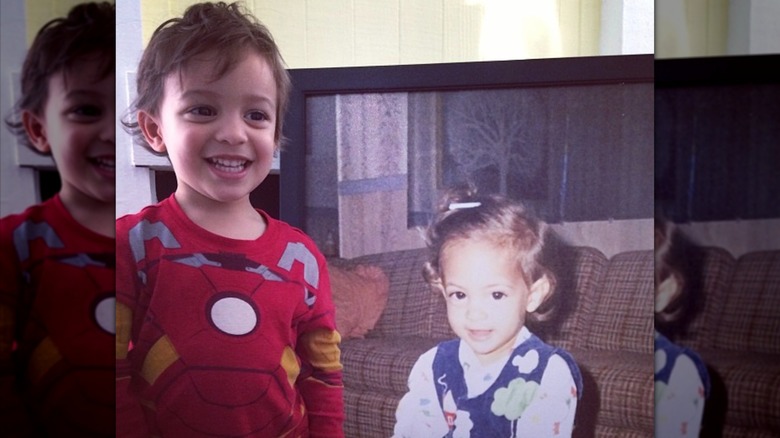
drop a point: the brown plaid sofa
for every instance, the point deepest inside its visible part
(604, 318)
(737, 333)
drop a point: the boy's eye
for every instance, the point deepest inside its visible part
(257, 116)
(85, 112)
(498, 295)
(201, 111)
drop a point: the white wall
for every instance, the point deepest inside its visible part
(18, 186)
(20, 21)
(627, 27)
(753, 27)
(134, 185)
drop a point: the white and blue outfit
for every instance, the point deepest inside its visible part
(681, 387)
(533, 393)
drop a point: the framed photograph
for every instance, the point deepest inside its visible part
(716, 136)
(369, 150)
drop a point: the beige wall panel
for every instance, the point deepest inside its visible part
(696, 12)
(520, 29)
(590, 28)
(421, 23)
(330, 33)
(703, 30)
(461, 30)
(376, 32)
(570, 24)
(39, 12)
(717, 27)
(314, 33)
(708, 24)
(671, 29)
(155, 12)
(287, 22)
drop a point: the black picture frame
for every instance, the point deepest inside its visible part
(431, 77)
(716, 138)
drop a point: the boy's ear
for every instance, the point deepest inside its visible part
(667, 291)
(36, 132)
(150, 127)
(538, 292)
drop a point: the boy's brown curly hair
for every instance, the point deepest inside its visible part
(225, 29)
(87, 31)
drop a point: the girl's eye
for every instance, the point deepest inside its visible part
(458, 295)
(498, 295)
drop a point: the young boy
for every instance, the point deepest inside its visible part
(57, 284)
(226, 312)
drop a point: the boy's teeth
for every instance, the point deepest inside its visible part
(105, 162)
(229, 165)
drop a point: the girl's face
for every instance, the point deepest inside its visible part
(219, 134)
(77, 127)
(487, 296)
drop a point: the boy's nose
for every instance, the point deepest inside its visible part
(232, 131)
(108, 127)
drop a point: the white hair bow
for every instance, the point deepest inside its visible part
(462, 205)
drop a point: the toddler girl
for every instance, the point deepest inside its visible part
(681, 379)
(497, 378)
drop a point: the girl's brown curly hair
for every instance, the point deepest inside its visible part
(502, 221)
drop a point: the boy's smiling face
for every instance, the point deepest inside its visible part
(77, 126)
(218, 133)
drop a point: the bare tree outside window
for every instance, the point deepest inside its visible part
(491, 142)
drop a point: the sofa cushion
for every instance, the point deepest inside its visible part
(369, 414)
(382, 364)
(620, 311)
(413, 309)
(578, 271)
(360, 296)
(749, 318)
(749, 383)
(618, 390)
(708, 271)
(605, 431)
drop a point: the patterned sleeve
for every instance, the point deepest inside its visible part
(551, 413)
(418, 414)
(320, 382)
(679, 404)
